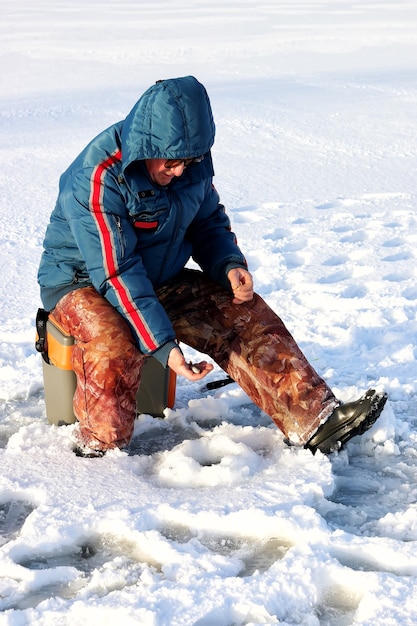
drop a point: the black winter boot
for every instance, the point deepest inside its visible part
(88, 453)
(347, 421)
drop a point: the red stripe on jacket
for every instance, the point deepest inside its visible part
(109, 251)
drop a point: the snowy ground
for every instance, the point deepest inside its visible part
(209, 519)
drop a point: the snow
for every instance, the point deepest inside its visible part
(209, 519)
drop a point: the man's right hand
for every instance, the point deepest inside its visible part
(180, 366)
(241, 283)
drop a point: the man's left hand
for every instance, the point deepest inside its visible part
(191, 371)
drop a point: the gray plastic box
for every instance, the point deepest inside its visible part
(155, 394)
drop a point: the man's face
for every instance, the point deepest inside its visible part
(162, 171)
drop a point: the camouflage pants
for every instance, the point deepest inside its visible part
(248, 341)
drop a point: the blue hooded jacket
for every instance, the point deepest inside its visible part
(117, 230)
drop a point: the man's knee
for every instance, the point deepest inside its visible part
(88, 316)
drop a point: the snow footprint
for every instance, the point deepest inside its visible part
(13, 514)
(355, 237)
(400, 258)
(293, 251)
(335, 277)
(255, 555)
(101, 564)
(338, 605)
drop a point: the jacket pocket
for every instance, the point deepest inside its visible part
(119, 235)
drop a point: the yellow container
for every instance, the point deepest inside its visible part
(58, 377)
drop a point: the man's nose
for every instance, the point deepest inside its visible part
(178, 169)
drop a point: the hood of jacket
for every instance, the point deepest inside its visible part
(171, 120)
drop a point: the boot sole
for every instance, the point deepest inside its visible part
(372, 403)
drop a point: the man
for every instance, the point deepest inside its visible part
(132, 209)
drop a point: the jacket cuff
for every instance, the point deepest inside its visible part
(162, 353)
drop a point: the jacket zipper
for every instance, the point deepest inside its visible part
(174, 236)
(120, 237)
